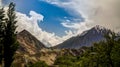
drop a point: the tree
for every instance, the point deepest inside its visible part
(103, 54)
(1, 33)
(10, 38)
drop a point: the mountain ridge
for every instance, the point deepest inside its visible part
(87, 38)
(31, 50)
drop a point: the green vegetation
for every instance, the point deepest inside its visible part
(1, 33)
(68, 61)
(39, 64)
(103, 54)
(8, 39)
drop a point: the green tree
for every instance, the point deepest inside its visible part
(103, 54)
(68, 61)
(1, 33)
(10, 38)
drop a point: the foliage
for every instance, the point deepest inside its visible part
(39, 64)
(8, 38)
(1, 33)
(68, 61)
(103, 54)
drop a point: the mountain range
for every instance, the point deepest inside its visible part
(32, 50)
(29, 43)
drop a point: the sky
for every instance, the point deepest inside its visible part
(54, 21)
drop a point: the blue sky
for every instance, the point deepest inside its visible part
(73, 16)
(53, 14)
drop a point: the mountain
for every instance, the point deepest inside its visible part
(29, 50)
(28, 43)
(87, 38)
(32, 50)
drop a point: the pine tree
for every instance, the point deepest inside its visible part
(1, 33)
(10, 41)
(110, 38)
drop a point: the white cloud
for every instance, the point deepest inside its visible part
(101, 12)
(30, 23)
(77, 27)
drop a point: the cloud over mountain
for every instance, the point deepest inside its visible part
(95, 12)
(100, 12)
(30, 23)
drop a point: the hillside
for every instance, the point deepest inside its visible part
(32, 50)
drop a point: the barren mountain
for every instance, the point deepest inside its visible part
(28, 43)
(31, 50)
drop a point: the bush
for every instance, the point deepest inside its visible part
(39, 64)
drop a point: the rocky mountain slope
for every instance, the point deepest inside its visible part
(32, 50)
(28, 50)
(28, 43)
(87, 38)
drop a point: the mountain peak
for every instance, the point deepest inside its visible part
(95, 30)
(29, 43)
(24, 31)
(98, 27)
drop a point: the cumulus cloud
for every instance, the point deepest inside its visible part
(101, 12)
(30, 23)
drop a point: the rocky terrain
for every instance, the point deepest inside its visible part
(32, 50)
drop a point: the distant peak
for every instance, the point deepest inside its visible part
(99, 27)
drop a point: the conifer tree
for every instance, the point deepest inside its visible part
(10, 39)
(1, 33)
